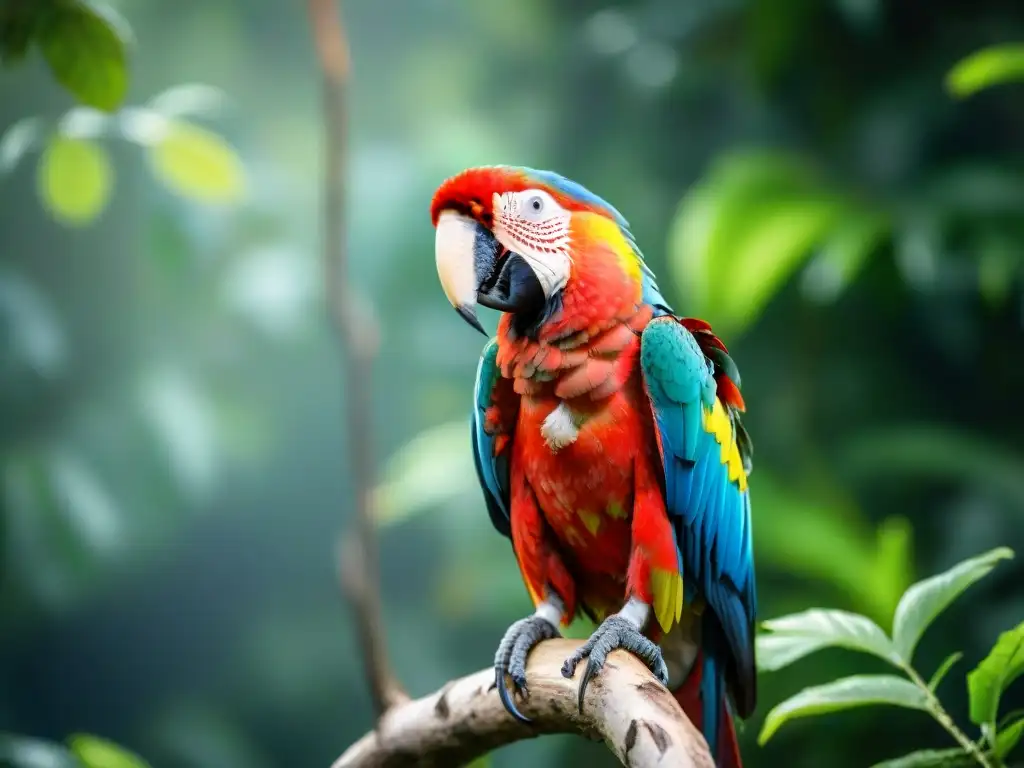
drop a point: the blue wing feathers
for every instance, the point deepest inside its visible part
(709, 511)
(493, 472)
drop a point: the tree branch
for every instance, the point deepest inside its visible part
(625, 707)
(354, 322)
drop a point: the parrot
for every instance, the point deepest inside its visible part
(607, 440)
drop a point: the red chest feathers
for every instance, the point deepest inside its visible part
(578, 449)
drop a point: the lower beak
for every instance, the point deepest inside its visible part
(473, 267)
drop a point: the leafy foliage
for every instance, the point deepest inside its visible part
(168, 344)
(197, 163)
(986, 68)
(76, 176)
(924, 601)
(1009, 736)
(793, 637)
(83, 751)
(994, 675)
(746, 228)
(796, 636)
(86, 52)
(943, 669)
(85, 44)
(930, 758)
(75, 179)
(94, 752)
(856, 691)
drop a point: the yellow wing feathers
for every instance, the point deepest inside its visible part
(716, 421)
(667, 588)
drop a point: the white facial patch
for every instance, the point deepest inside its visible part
(559, 428)
(535, 226)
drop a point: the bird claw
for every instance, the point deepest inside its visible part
(510, 658)
(614, 632)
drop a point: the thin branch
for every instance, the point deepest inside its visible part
(942, 717)
(354, 322)
(625, 707)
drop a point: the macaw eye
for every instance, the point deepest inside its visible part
(535, 206)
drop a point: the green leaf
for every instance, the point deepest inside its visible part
(943, 670)
(986, 683)
(930, 758)
(740, 233)
(990, 66)
(85, 48)
(1008, 738)
(95, 752)
(18, 24)
(74, 179)
(429, 471)
(926, 599)
(777, 236)
(823, 536)
(846, 693)
(844, 253)
(197, 163)
(798, 635)
(998, 265)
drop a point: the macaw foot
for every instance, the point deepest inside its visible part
(510, 659)
(617, 631)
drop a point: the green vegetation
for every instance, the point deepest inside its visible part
(836, 186)
(790, 638)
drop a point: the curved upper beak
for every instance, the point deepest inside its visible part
(474, 268)
(454, 252)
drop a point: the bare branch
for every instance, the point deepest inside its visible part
(625, 707)
(357, 331)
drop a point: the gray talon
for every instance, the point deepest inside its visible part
(614, 632)
(510, 658)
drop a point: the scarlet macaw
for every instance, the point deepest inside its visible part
(607, 438)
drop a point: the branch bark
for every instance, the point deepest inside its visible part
(626, 707)
(356, 327)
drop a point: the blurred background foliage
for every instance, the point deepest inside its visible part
(819, 178)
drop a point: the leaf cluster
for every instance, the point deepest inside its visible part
(75, 175)
(793, 637)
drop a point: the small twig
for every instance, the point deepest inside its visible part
(942, 717)
(625, 707)
(356, 328)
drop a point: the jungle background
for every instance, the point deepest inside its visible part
(800, 172)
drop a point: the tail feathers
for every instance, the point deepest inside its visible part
(703, 686)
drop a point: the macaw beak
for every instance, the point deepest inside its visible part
(474, 268)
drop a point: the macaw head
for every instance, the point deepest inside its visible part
(515, 239)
